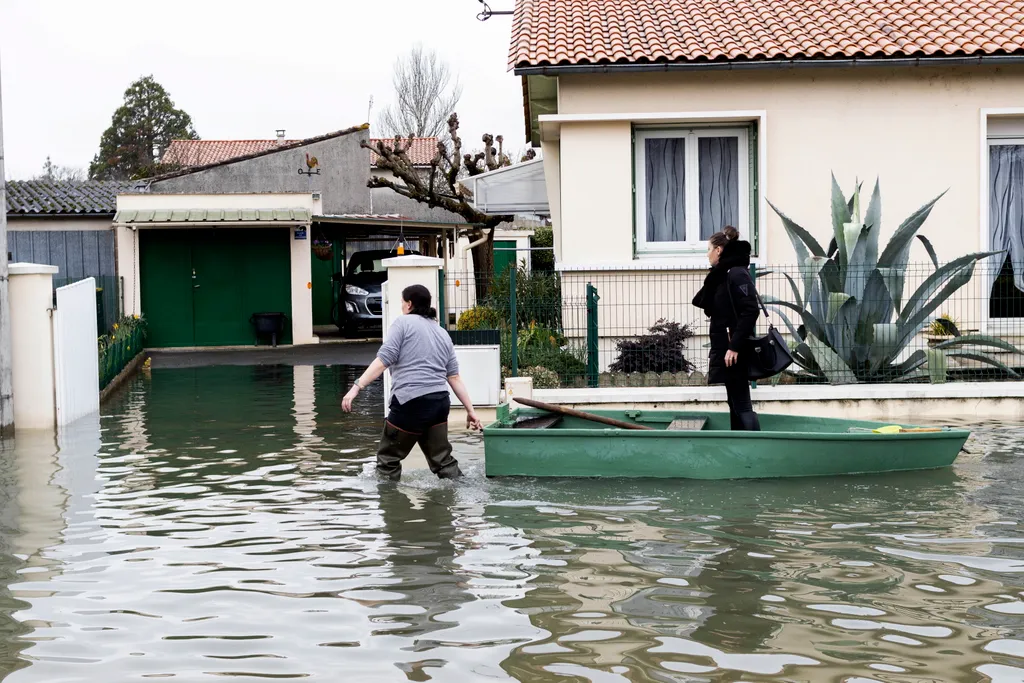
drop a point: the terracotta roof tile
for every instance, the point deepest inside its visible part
(189, 153)
(563, 32)
(420, 154)
(192, 153)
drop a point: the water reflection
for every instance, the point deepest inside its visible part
(221, 522)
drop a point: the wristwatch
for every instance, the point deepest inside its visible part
(358, 385)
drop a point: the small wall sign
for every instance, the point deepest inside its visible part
(300, 233)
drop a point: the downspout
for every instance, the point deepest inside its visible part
(471, 245)
(6, 366)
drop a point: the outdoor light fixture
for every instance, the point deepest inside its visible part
(487, 12)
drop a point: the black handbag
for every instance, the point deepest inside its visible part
(769, 355)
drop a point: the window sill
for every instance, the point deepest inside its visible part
(1004, 327)
(689, 263)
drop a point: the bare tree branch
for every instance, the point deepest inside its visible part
(426, 93)
(441, 186)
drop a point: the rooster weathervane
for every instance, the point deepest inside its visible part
(311, 164)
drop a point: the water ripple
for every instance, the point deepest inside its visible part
(224, 522)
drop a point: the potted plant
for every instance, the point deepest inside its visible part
(944, 328)
(323, 248)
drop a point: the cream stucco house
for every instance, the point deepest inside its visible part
(659, 122)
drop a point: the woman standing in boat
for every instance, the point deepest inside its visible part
(422, 360)
(730, 301)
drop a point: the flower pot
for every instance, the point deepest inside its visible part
(324, 252)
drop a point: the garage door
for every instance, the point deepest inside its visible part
(504, 255)
(201, 287)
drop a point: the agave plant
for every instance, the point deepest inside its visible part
(854, 320)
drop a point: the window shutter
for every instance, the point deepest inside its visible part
(755, 187)
(632, 157)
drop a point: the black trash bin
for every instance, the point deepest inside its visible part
(268, 323)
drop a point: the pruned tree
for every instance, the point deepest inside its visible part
(440, 187)
(426, 93)
(139, 132)
(57, 173)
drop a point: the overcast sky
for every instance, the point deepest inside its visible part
(240, 68)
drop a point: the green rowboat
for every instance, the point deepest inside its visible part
(699, 445)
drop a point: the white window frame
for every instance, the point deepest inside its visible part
(992, 325)
(691, 245)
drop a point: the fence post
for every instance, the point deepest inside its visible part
(442, 314)
(514, 322)
(753, 278)
(593, 366)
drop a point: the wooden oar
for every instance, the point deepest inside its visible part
(894, 429)
(576, 413)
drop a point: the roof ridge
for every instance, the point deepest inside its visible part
(253, 155)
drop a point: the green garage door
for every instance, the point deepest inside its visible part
(201, 287)
(503, 260)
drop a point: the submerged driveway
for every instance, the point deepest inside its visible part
(358, 354)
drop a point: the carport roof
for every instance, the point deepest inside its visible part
(366, 225)
(212, 216)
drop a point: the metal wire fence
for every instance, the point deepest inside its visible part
(924, 322)
(108, 299)
(117, 349)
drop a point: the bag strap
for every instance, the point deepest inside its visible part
(756, 295)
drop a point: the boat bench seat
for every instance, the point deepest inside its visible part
(538, 422)
(687, 424)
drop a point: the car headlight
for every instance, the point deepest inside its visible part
(355, 291)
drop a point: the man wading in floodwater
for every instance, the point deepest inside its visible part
(422, 361)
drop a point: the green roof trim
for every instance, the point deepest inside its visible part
(212, 216)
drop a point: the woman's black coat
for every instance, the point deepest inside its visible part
(729, 327)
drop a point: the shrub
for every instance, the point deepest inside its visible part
(120, 346)
(543, 261)
(538, 298)
(562, 361)
(536, 336)
(659, 351)
(481, 318)
(542, 377)
(944, 325)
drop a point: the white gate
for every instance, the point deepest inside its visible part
(75, 354)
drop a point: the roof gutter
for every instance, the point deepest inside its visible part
(57, 216)
(752, 65)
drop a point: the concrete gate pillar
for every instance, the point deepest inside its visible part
(31, 293)
(402, 272)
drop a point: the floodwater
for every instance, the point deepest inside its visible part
(221, 523)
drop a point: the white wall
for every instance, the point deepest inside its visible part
(50, 224)
(269, 200)
(918, 129)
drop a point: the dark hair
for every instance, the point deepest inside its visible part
(419, 297)
(728, 234)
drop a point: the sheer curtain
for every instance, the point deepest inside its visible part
(665, 169)
(718, 164)
(1006, 205)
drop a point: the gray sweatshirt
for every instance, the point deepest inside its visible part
(420, 355)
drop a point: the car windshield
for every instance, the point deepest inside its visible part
(367, 265)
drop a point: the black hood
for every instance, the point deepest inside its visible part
(735, 253)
